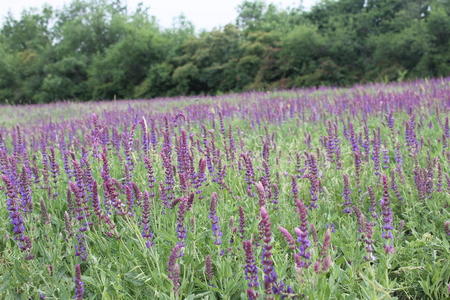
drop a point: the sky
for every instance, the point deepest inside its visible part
(204, 14)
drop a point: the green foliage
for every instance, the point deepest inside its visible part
(93, 49)
(157, 80)
(131, 57)
(185, 76)
(302, 46)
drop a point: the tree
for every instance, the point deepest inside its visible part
(98, 49)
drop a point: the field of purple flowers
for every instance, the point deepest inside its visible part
(303, 194)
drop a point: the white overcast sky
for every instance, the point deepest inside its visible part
(204, 14)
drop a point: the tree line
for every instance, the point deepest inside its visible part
(98, 49)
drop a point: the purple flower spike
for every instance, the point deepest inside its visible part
(249, 173)
(241, 222)
(288, 237)
(373, 203)
(346, 194)
(80, 247)
(146, 231)
(150, 174)
(200, 178)
(313, 177)
(366, 230)
(324, 262)
(15, 215)
(294, 187)
(251, 272)
(270, 275)
(261, 193)
(209, 272)
(181, 230)
(173, 268)
(303, 255)
(215, 220)
(387, 218)
(79, 285)
(252, 295)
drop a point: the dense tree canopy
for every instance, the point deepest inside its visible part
(97, 49)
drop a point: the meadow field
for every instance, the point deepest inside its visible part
(319, 193)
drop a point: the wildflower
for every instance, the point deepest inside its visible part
(261, 194)
(376, 152)
(181, 230)
(79, 285)
(80, 247)
(146, 231)
(145, 139)
(150, 174)
(173, 268)
(394, 187)
(209, 272)
(324, 261)
(249, 173)
(439, 178)
(79, 209)
(346, 194)
(25, 191)
(169, 176)
(68, 225)
(303, 255)
(44, 213)
(217, 233)
(288, 237)
(265, 180)
(352, 138)
(270, 275)
(313, 232)
(241, 222)
(190, 201)
(275, 195)
(314, 180)
(372, 202)
(113, 196)
(387, 218)
(294, 187)
(357, 160)
(54, 165)
(366, 228)
(15, 215)
(386, 158)
(251, 272)
(200, 177)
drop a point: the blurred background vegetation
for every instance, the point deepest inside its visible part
(97, 49)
